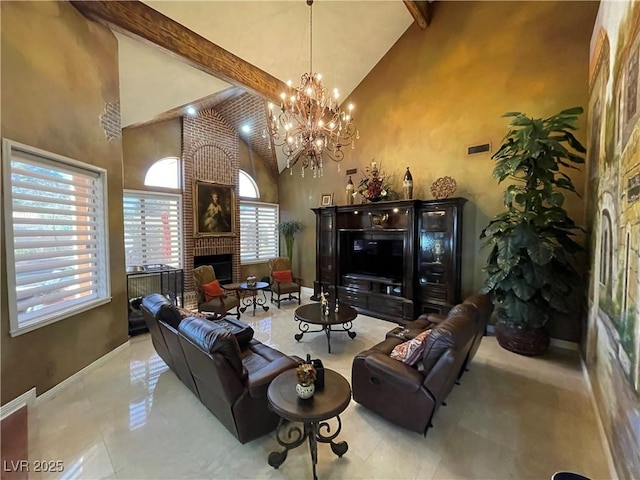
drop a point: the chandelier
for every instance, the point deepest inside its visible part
(309, 126)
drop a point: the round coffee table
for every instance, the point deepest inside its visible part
(249, 295)
(312, 314)
(312, 413)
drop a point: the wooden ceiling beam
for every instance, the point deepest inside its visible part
(139, 21)
(419, 10)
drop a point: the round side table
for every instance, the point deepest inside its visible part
(312, 413)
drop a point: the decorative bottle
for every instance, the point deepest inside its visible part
(407, 185)
(349, 192)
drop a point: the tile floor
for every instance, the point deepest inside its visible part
(512, 417)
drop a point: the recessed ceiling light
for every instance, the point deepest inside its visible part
(191, 110)
(246, 128)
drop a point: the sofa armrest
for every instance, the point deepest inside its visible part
(259, 380)
(394, 372)
(440, 375)
(432, 317)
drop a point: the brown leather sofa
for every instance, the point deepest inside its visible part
(481, 302)
(223, 366)
(410, 396)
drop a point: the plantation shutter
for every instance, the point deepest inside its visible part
(152, 228)
(56, 236)
(258, 235)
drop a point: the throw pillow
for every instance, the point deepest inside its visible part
(410, 352)
(282, 275)
(212, 290)
(184, 313)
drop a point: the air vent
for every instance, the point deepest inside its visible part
(352, 171)
(482, 148)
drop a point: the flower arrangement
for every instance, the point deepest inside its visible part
(376, 186)
(306, 374)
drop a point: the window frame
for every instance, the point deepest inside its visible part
(275, 233)
(147, 194)
(251, 180)
(178, 177)
(103, 291)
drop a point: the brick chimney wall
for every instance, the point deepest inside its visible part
(209, 153)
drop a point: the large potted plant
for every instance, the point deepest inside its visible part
(289, 230)
(530, 269)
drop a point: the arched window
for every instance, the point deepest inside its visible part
(248, 186)
(258, 221)
(164, 173)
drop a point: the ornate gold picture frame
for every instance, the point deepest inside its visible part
(214, 209)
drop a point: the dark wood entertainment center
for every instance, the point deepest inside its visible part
(391, 260)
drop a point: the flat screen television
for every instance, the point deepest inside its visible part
(379, 257)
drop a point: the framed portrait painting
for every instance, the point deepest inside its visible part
(214, 209)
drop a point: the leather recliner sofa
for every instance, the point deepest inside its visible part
(410, 396)
(228, 372)
(427, 320)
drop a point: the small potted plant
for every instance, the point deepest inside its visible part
(306, 376)
(289, 230)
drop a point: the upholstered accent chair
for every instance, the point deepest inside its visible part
(280, 284)
(220, 304)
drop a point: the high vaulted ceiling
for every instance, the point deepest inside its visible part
(349, 38)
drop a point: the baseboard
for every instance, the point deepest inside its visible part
(306, 291)
(52, 392)
(613, 475)
(556, 342)
(27, 399)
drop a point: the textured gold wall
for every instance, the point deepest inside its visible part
(442, 89)
(58, 71)
(143, 146)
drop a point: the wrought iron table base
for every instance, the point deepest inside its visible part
(255, 301)
(312, 431)
(304, 328)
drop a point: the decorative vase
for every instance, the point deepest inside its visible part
(305, 391)
(523, 341)
(407, 185)
(378, 220)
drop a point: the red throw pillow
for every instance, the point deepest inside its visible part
(212, 290)
(282, 276)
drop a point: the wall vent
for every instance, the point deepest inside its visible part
(482, 148)
(352, 171)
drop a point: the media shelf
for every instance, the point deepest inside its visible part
(372, 283)
(391, 260)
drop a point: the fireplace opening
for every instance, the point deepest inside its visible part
(222, 266)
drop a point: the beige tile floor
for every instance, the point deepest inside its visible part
(511, 417)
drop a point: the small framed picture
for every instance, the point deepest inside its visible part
(326, 199)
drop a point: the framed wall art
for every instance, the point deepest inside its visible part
(214, 209)
(326, 199)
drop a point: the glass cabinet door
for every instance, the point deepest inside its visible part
(434, 254)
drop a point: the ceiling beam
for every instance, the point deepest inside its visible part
(419, 10)
(139, 21)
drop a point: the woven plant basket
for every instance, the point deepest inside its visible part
(524, 341)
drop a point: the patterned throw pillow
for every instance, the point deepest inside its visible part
(184, 313)
(410, 352)
(211, 290)
(282, 275)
